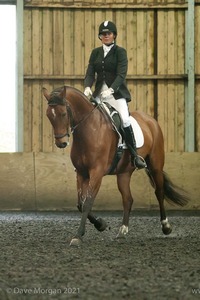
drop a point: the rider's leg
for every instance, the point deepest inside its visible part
(121, 106)
(136, 160)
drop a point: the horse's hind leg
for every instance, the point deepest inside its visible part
(157, 179)
(123, 181)
(98, 223)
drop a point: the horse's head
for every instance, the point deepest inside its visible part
(58, 115)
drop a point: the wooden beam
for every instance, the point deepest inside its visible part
(19, 78)
(190, 89)
(129, 77)
(108, 5)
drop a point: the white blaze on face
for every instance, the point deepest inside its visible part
(53, 112)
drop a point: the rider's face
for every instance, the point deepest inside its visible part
(107, 38)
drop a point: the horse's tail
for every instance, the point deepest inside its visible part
(172, 193)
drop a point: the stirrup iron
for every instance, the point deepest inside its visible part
(143, 161)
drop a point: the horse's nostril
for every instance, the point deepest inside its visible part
(63, 145)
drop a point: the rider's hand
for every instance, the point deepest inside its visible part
(87, 92)
(107, 93)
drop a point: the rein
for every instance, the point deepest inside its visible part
(73, 127)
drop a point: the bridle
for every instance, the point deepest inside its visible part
(60, 136)
(71, 119)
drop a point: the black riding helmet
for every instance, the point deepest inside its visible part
(107, 26)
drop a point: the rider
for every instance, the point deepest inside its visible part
(110, 63)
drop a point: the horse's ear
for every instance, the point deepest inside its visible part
(63, 93)
(45, 93)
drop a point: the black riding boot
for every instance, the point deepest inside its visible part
(136, 160)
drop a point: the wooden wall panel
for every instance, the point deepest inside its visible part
(132, 45)
(68, 42)
(17, 181)
(79, 42)
(197, 71)
(58, 42)
(171, 114)
(171, 42)
(36, 22)
(47, 181)
(59, 37)
(197, 120)
(47, 42)
(171, 53)
(28, 42)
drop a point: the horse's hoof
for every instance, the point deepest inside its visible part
(123, 230)
(166, 227)
(100, 224)
(167, 230)
(75, 242)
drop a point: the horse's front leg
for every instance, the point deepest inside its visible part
(86, 205)
(123, 181)
(87, 190)
(82, 185)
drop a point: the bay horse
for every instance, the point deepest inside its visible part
(93, 149)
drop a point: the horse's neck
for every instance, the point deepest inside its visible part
(79, 106)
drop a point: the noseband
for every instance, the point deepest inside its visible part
(60, 136)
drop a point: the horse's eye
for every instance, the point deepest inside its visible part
(64, 114)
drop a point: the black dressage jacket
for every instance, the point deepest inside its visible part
(111, 69)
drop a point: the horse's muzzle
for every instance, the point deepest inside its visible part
(58, 140)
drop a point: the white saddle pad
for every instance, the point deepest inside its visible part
(139, 137)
